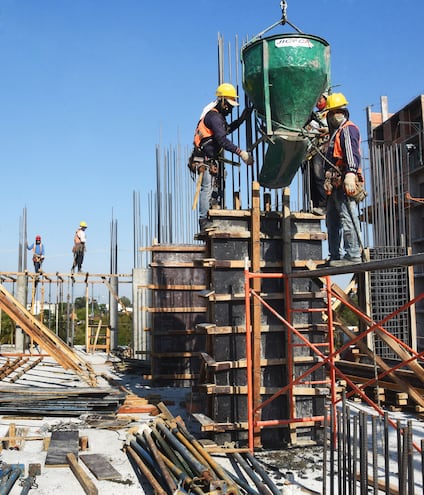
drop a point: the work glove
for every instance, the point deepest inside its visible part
(350, 183)
(246, 157)
(328, 186)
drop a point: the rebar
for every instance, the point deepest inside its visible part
(259, 469)
(262, 488)
(374, 453)
(366, 456)
(386, 453)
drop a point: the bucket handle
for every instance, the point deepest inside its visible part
(282, 21)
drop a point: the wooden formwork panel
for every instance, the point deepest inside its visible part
(168, 298)
(229, 249)
(170, 322)
(233, 313)
(176, 365)
(178, 276)
(228, 281)
(232, 347)
(174, 342)
(271, 250)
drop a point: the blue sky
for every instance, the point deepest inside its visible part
(88, 88)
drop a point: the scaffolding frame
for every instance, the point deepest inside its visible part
(409, 357)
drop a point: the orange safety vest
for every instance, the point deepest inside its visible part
(202, 132)
(337, 150)
(338, 154)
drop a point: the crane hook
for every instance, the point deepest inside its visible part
(283, 6)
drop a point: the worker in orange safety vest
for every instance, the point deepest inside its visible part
(343, 181)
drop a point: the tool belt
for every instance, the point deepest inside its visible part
(334, 180)
(37, 258)
(198, 164)
(78, 248)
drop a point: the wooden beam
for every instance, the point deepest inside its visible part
(88, 486)
(45, 338)
(256, 309)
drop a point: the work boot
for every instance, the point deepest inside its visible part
(205, 224)
(319, 211)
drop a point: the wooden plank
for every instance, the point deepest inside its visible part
(229, 235)
(175, 354)
(173, 264)
(100, 466)
(172, 287)
(198, 309)
(175, 248)
(309, 236)
(138, 409)
(88, 486)
(12, 434)
(230, 213)
(61, 444)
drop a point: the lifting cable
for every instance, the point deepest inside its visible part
(284, 20)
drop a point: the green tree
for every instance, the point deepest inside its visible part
(126, 302)
(80, 302)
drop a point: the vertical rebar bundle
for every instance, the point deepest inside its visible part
(370, 456)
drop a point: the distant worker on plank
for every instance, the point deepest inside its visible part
(343, 184)
(79, 247)
(210, 139)
(37, 249)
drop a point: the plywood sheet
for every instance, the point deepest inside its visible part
(62, 443)
(100, 466)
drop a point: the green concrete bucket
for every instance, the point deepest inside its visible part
(284, 75)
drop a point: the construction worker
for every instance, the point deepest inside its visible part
(314, 164)
(342, 183)
(37, 249)
(210, 139)
(79, 246)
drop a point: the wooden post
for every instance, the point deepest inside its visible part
(287, 268)
(96, 338)
(256, 309)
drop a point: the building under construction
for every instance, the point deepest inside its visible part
(245, 313)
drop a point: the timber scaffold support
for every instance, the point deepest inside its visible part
(39, 333)
(45, 338)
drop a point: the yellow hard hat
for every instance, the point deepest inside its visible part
(226, 90)
(83, 224)
(335, 101)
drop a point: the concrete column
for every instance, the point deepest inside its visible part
(141, 317)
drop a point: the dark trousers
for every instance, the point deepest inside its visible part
(78, 256)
